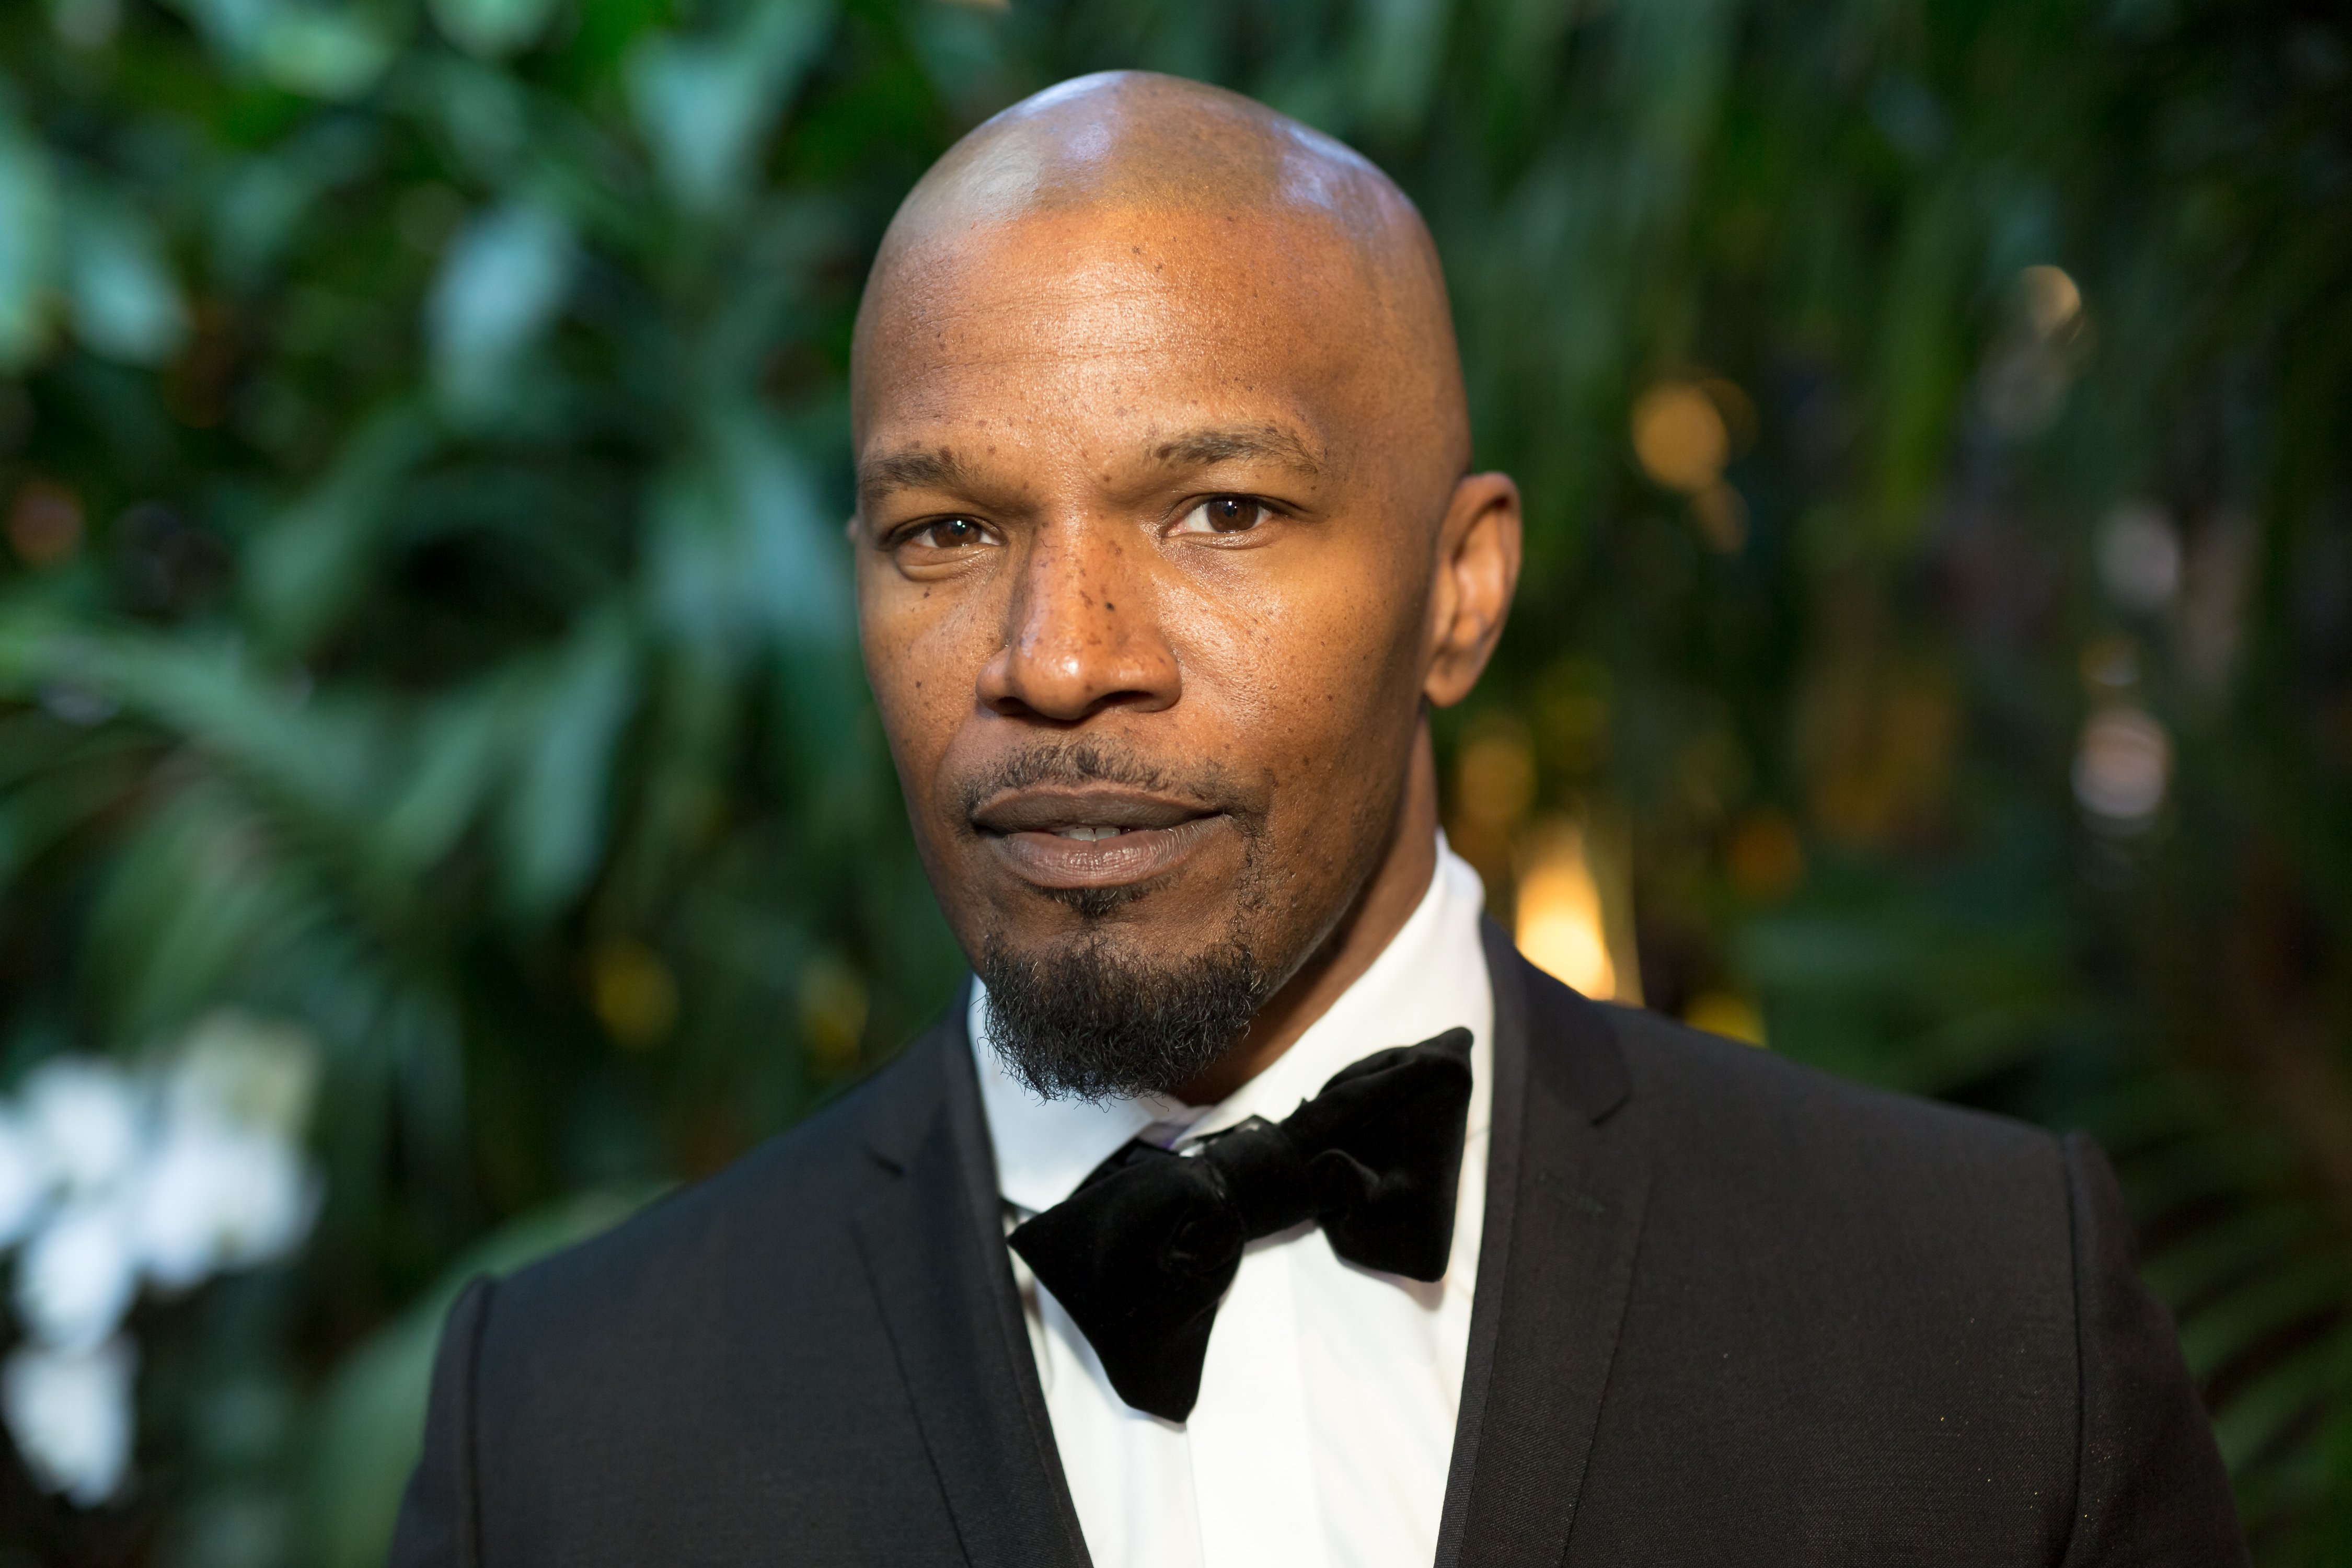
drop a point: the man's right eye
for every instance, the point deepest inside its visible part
(948, 533)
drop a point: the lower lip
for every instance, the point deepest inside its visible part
(1050, 860)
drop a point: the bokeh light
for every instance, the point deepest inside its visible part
(2121, 767)
(2139, 557)
(1728, 1014)
(1561, 924)
(834, 1008)
(1684, 434)
(1680, 436)
(634, 992)
(45, 524)
(2054, 301)
(1764, 855)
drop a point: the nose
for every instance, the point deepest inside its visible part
(1081, 633)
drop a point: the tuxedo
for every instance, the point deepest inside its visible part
(1728, 1310)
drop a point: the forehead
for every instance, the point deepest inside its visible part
(1079, 318)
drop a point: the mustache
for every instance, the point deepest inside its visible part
(1073, 763)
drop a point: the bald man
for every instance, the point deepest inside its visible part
(1258, 1204)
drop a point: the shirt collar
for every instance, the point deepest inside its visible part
(1431, 977)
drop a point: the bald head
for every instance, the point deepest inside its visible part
(1139, 140)
(1122, 149)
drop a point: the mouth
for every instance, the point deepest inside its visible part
(1093, 837)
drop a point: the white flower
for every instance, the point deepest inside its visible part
(88, 1116)
(69, 1412)
(194, 1166)
(76, 1277)
(218, 1195)
(26, 1176)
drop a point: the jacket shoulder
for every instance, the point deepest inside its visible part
(717, 1358)
(793, 1196)
(1811, 1181)
(1741, 1102)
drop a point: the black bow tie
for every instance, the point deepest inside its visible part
(1141, 1254)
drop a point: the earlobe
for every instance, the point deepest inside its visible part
(1477, 571)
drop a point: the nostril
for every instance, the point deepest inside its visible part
(1068, 679)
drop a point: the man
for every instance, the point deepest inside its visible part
(1260, 1205)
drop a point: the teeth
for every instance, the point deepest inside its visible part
(1086, 835)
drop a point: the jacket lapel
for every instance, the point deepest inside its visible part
(1566, 1191)
(934, 1250)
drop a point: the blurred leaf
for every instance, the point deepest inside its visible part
(331, 52)
(740, 551)
(501, 286)
(310, 561)
(1403, 51)
(28, 224)
(455, 756)
(705, 103)
(123, 301)
(234, 27)
(556, 816)
(492, 27)
(270, 195)
(312, 759)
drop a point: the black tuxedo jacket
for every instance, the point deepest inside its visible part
(1729, 1312)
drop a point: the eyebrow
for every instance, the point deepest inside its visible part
(910, 467)
(1199, 448)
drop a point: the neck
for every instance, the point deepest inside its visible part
(1388, 899)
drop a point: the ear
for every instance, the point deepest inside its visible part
(1478, 570)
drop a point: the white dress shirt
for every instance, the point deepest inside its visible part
(1325, 1425)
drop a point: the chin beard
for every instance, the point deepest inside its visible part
(1092, 1022)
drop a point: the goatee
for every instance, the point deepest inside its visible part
(1091, 1022)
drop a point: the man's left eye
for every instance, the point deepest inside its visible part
(1224, 514)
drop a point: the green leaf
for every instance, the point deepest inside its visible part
(310, 563)
(123, 301)
(315, 757)
(1403, 45)
(492, 28)
(333, 54)
(456, 753)
(740, 551)
(28, 244)
(269, 197)
(502, 287)
(555, 821)
(705, 103)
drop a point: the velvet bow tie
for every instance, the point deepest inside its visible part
(1141, 1254)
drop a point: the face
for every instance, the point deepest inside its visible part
(1149, 548)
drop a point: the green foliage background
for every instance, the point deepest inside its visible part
(423, 432)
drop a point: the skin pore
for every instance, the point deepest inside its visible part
(1166, 543)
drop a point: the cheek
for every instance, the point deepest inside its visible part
(1317, 665)
(923, 645)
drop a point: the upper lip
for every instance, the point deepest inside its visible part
(1044, 810)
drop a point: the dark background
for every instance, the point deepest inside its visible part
(424, 616)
